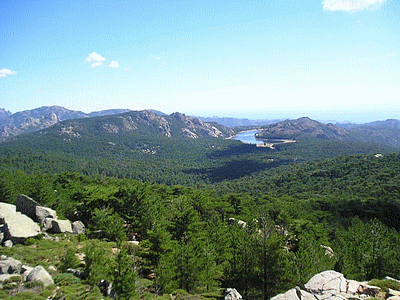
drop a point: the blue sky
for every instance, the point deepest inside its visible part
(326, 59)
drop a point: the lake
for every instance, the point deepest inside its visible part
(248, 137)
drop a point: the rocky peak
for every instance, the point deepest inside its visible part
(40, 118)
(194, 127)
(302, 128)
(179, 116)
(4, 114)
(52, 117)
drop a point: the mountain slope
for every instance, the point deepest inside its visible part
(137, 144)
(4, 114)
(380, 132)
(39, 118)
(302, 128)
(142, 123)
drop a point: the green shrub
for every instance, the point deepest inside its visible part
(78, 291)
(69, 260)
(81, 237)
(386, 284)
(33, 240)
(27, 296)
(48, 291)
(66, 279)
(10, 286)
(213, 295)
(15, 278)
(33, 284)
(179, 292)
(30, 241)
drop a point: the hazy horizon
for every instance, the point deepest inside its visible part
(322, 117)
(328, 59)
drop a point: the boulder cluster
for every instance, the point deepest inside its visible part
(332, 285)
(27, 219)
(12, 268)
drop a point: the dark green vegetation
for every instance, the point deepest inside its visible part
(187, 242)
(298, 201)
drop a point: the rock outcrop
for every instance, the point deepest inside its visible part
(40, 274)
(295, 294)
(44, 212)
(9, 265)
(78, 227)
(18, 222)
(45, 216)
(330, 285)
(17, 227)
(232, 294)
(26, 206)
(33, 210)
(60, 226)
(12, 267)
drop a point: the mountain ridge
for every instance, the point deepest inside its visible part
(380, 132)
(137, 123)
(42, 117)
(385, 132)
(302, 128)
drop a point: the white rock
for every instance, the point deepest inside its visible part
(391, 293)
(60, 226)
(17, 227)
(289, 295)
(44, 212)
(40, 274)
(232, 294)
(25, 271)
(352, 286)
(327, 280)
(8, 244)
(10, 266)
(4, 277)
(78, 227)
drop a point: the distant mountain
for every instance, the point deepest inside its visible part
(39, 118)
(382, 132)
(141, 123)
(302, 128)
(390, 123)
(235, 122)
(4, 114)
(107, 112)
(379, 132)
(157, 112)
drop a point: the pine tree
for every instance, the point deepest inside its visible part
(124, 276)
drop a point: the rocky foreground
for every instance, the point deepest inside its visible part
(12, 268)
(332, 285)
(26, 218)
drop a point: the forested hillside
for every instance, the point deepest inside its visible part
(172, 149)
(189, 239)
